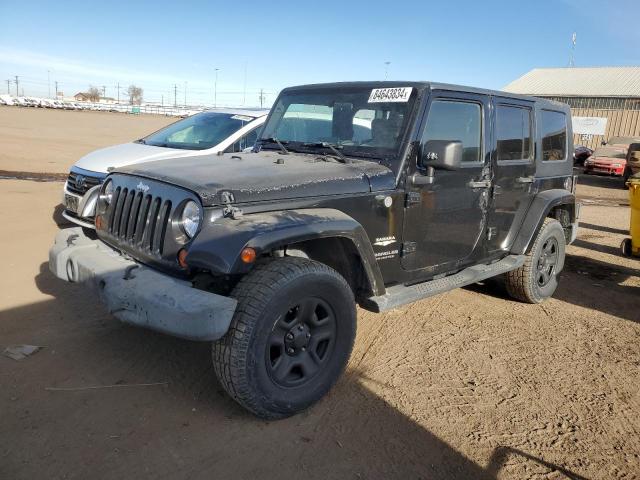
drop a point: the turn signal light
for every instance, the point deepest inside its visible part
(99, 222)
(182, 258)
(248, 255)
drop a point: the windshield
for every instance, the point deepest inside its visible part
(362, 122)
(609, 152)
(201, 131)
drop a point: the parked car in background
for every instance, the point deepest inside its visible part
(607, 160)
(611, 157)
(223, 130)
(633, 160)
(580, 154)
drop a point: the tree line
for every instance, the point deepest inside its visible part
(134, 92)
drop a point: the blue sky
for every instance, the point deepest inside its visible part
(158, 44)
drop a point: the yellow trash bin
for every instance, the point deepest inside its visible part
(633, 247)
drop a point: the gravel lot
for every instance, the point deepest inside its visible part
(469, 384)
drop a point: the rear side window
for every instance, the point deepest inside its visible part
(554, 135)
(513, 131)
(456, 121)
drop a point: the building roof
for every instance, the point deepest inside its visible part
(579, 82)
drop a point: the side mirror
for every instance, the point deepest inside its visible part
(441, 154)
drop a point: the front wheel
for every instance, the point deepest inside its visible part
(290, 338)
(536, 280)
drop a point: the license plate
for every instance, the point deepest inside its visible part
(71, 203)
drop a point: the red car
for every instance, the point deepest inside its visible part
(607, 160)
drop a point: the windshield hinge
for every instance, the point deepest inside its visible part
(412, 198)
(408, 248)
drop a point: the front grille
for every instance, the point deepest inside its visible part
(79, 184)
(139, 220)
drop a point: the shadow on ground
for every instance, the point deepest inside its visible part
(187, 428)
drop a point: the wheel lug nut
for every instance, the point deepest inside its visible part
(289, 336)
(308, 335)
(300, 327)
(304, 349)
(290, 350)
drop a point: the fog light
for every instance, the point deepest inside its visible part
(182, 258)
(248, 255)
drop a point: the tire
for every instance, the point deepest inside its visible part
(536, 280)
(626, 247)
(625, 176)
(290, 338)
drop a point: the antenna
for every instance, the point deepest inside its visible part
(573, 49)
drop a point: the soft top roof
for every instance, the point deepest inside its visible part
(423, 85)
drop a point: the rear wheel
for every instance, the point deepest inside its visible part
(536, 280)
(290, 338)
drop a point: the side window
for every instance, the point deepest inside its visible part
(554, 135)
(244, 142)
(513, 132)
(456, 121)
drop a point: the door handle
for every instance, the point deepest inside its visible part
(479, 184)
(525, 179)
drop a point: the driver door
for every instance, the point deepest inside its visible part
(445, 221)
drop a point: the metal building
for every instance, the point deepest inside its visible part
(594, 94)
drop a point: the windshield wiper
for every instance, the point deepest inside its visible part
(278, 142)
(330, 146)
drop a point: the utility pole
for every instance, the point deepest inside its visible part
(49, 82)
(162, 100)
(8, 87)
(175, 95)
(215, 90)
(17, 86)
(244, 90)
(104, 91)
(386, 69)
(261, 97)
(118, 87)
(56, 83)
(185, 94)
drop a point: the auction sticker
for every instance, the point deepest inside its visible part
(399, 94)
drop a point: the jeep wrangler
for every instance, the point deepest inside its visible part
(369, 193)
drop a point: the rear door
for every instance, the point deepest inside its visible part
(513, 163)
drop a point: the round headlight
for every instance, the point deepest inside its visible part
(190, 220)
(107, 192)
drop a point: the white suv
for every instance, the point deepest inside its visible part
(220, 130)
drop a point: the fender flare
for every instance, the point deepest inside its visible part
(539, 209)
(217, 247)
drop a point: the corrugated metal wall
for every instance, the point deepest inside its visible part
(625, 123)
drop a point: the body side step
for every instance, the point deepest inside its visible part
(401, 294)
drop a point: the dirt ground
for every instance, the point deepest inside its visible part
(466, 385)
(50, 141)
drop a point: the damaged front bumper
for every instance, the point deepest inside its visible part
(137, 294)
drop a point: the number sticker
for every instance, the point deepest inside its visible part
(400, 94)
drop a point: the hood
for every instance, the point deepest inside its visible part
(264, 176)
(128, 154)
(603, 159)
